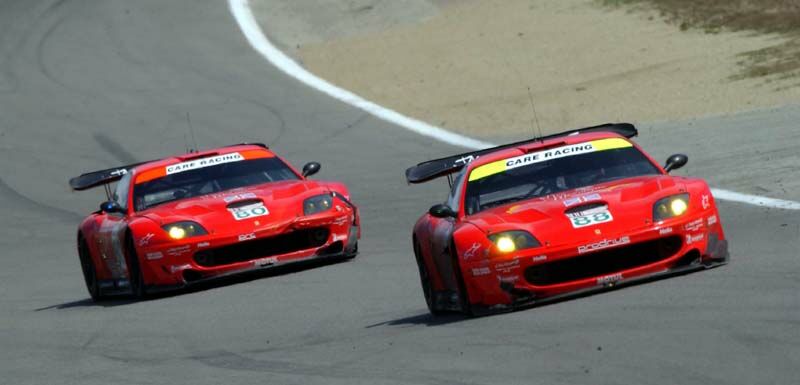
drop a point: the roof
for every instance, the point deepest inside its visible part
(436, 168)
(98, 178)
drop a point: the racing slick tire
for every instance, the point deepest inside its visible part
(351, 253)
(135, 276)
(463, 295)
(425, 281)
(88, 269)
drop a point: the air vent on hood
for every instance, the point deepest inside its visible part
(586, 207)
(242, 203)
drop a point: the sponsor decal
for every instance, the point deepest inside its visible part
(247, 237)
(239, 197)
(341, 220)
(249, 211)
(694, 225)
(466, 159)
(472, 250)
(204, 162)
(176, 268)
(545, 155)
(712, 220)
(264, 262)
(508, 278)
(155, 255)
(507, 267)
(145, 240)
(540, 258)
(203, 244)
(339, 237)
(590, 217)
(706, 202)
(583, 199)
(604, 244)
(177, 251)
(694, 238)
(480, 271)
(611, 278)
(665, 231)
(119, 172)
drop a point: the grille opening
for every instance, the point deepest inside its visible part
(603, 262)
(334, 248)
(191, 275)
(265, 247)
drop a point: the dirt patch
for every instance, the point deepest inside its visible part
(715, 16)
(470, 67)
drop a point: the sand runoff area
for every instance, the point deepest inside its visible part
(473, 66)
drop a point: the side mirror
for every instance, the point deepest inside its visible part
(675, 162)
(442, 211)
(111, 207)
(311, 168)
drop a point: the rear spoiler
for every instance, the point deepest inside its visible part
(104, 177)
(433, 169)
(99, 178)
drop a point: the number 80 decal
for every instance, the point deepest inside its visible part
(249, 211)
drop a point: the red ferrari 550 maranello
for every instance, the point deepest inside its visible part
(202, 215)
(569, 213)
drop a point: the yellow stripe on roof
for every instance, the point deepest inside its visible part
(499, 166)
(610, 144)
(487, 169)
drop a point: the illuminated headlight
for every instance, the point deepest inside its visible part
(317, 204)
(510, 241)
(186, 229)
(670, 207)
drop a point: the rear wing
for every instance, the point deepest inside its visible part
(436, 168)
(104, 177)
(99, 178)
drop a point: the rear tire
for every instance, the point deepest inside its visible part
(135, 276)
(425, 281)
(89, 270)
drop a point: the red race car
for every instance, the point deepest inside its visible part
(561, 215)
(202, 215)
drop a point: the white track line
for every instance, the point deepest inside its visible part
(255, 36)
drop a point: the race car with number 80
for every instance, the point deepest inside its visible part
(202, 215)
(565, 214)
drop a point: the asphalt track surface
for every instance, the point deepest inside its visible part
(90, 84)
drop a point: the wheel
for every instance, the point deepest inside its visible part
(352, 253)
(425, 280)
(89, 272)
(463, 295)
(135, 277)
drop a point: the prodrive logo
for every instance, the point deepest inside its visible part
(604, 244)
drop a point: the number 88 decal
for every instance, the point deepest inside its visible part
(590, 219)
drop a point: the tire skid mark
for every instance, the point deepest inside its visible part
(28, 203)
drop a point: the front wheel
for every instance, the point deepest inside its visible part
(463, 295)
(88, 269)
(425, 280)
(135, 276)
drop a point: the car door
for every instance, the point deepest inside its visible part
(111, 232)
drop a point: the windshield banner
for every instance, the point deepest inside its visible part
(499, 166)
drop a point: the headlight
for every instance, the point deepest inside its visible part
(510, 241)
(186, 229)
(670, 207)
(317, 204)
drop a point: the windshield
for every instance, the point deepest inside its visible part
(552, 171)
(207, 180)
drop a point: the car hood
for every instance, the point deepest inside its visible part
(283, 201)
(630, 202)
